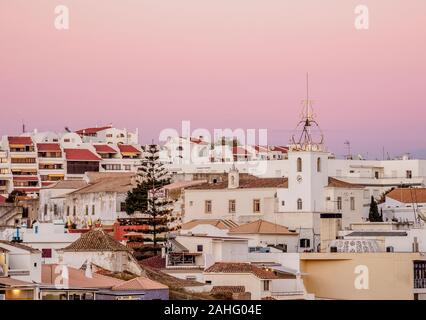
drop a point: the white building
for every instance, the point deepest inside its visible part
(99, 248)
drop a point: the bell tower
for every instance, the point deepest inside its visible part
(307, 156)
(233, 178)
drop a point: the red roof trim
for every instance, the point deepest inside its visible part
(128, 148)
(48, 147)
(80, 155)
(21, 140)
(92, 130)
(103, 148)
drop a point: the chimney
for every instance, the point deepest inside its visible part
(88, 271)
(330, 225)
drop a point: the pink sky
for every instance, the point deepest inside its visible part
(222, 63)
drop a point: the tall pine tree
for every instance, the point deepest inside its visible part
(148, 199)
(374, 215)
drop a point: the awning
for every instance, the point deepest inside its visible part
(56, 175)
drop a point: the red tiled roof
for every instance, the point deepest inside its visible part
(2, 199)
(239, 150)
(81, 155)
(280, 148)
(92, 130)
(335, 183)
(77, 278)
(104, 148)
(128, 148)
(262, 227)
(156, 262)
(408, 195)
(225, 289)
(96, 240)
(139, 283)
(246, 182)
(235, 267)
(48, 147)
(20, 140)
(28, 178)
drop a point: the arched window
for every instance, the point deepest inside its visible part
(299, 164)
(299, 204)
(319, 165)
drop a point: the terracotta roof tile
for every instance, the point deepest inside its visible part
(48, 147)
(21, 140)
(104, 148)
(127, 148)
(335, 183)
(235, 267)
(20, 246)
(262, 227)
(246, 182)
(156, 262)
(96, 240)
(77, 278)
(10, 282)
(92, 130)
(139, 283)
(68, 184)
(81, 155)
(118, 184)
(408, 195)
(225, 289)
(218, 223)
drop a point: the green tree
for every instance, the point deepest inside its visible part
(14, 195)
(148, 198)
(374, 215)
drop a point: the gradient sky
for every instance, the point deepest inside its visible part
(218, 63)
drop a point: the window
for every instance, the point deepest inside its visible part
(339, 203)
(122, 206)
(319, 165)
(299, 164)
(93, 209)
(299, 204)
(256, 205)
(408, 174)
(68, 210)
(35, 229)
(208, 206)
(352, 203)
(376, 174)
(74, 211)
(305, 243)
(87, 210)
(199, 248)
(283, 203)
(231, 206)
(46, 253)
(45, 209)
(55, 209)
(127, 167)
(208, 282)
(191, 203)
(266, 285)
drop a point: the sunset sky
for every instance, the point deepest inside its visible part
(220, 64)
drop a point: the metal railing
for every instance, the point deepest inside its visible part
(420, 283)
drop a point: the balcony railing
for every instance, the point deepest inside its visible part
(420, 283)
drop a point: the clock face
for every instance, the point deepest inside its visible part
(299, 178)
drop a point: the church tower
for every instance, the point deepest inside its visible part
(307, 156)
(233, 178)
